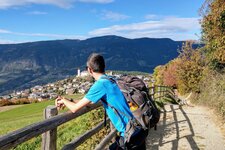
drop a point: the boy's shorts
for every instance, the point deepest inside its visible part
(136, 143)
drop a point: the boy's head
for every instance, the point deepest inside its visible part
(96, 63)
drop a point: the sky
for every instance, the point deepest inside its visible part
(39, 20)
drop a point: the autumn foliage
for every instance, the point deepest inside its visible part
(213, 33)
(184, 72)
(201, 70)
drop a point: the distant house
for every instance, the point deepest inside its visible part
(70, 91)
(84, 73)
(55, 88)
(45, 96)
(74, 80)
(7, 97)
(75, 85)
(24, 95)
(61, 89)
(82, 91)
(53, 95)
(18, 93)
(37, 88)
(69, 85)
(27, 91)
(33, 96)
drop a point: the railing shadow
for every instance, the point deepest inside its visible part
(169, 130)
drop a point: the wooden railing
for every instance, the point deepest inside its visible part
(159, 91)
(48, 127)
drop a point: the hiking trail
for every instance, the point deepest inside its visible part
(186, 128)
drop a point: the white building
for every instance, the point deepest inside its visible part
(78, 72)
(81, 73)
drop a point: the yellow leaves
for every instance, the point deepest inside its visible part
(213, 27)
(219, 55)
(158, 75)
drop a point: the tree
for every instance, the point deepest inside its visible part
(213, 32)
(189, 69)
(170, 73)
(158, 75)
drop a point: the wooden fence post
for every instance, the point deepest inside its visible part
(49, 137)
(153, 90)
(158, 92)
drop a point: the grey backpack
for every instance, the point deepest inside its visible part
(141, 104)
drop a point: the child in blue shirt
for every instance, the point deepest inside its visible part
(107, 91)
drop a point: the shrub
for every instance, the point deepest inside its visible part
(21, 101)
(212, 91)
(170, 73)
(17, 102)
(158, 75)
(5, 102)
(190, 68)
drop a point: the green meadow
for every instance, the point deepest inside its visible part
(20, 117)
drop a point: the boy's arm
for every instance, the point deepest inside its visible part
(75, 106)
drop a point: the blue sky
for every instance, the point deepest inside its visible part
(37, 20)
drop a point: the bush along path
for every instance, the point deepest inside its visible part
(185, 128)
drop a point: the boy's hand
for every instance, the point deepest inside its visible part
(59, 103)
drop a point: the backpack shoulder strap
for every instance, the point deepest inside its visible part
(109, 78)
(117, 112)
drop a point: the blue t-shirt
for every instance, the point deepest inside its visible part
(110, 92)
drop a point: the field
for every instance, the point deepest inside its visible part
(30, 113)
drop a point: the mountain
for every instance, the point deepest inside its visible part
(27, 64)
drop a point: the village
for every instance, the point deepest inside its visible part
(78, 84)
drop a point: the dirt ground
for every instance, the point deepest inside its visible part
(186, 128)
(4, 108)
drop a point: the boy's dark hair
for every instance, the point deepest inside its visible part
(96, 63)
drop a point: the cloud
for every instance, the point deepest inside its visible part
(37, 13)
(168, 27)
(113, 16)
(59, 36)
(54, 36)
(97, 1)
(150, 16)
(4, 4)
(4, 31)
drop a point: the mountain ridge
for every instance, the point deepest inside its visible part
(25, 63)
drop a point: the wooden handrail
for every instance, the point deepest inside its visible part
(19, 136)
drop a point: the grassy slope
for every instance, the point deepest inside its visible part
(19, 117)
(31, 113)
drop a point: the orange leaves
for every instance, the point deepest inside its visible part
(184, 72)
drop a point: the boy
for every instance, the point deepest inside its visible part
(108, 92)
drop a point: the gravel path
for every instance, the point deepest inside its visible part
(186, 128)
